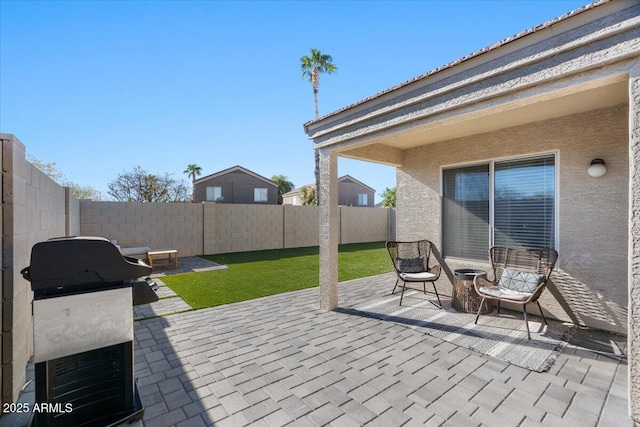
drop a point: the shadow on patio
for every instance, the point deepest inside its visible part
(282, 360)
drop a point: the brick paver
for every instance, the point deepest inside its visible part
(281, 360)
(168, 303)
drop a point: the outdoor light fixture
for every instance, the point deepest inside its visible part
(597, 168)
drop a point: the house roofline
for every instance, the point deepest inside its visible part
(299, 189)
(464, 59)
(232, 169)
(357, 181)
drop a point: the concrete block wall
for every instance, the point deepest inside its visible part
(240, 228)
(34, 209)
(72, 214)
(237, 228)
(156, 225)
(211, 228)
(301, 226)
(359, 225)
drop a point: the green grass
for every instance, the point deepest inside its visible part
(260, 273)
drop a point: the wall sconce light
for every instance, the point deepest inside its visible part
(597, 168)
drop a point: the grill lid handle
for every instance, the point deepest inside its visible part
(26, 273)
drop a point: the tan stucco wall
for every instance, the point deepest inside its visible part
(634, 244)
(592, 211)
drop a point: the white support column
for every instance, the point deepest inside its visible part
(634, 244)
(329, 229)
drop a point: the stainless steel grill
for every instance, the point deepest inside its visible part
(83, 330)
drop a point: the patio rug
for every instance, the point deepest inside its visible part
(503, 336)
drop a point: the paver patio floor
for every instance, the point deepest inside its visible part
(282, 360)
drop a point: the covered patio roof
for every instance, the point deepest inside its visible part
(534, 76)
(581, 98)
(586, 60)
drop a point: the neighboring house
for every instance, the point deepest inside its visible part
(494, 148)
(235, 185)
(295, 197)
(351, 192)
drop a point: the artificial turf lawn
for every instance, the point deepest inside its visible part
(260, 273)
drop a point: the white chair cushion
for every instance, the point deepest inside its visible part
(504, 293)
(423, 276)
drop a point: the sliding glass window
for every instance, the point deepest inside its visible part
(524, 203)
(509, 203)
(466, 212)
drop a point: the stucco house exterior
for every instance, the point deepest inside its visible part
(351, 192)
(511, 128)
(235, 185)
(295, 197)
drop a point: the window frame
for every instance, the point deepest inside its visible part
(266, 194)
(491, 162)
(214, 193)
(360, 198)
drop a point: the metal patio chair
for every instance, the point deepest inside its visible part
(411, 263)
(519, 276)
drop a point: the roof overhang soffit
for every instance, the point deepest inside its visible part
(376, 153)
(510, 82)
(579, 94)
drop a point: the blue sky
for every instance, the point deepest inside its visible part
(101, 87)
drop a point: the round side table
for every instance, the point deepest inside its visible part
(464, 296)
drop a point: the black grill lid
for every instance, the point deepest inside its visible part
(69, 261)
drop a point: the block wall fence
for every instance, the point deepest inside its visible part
(35, 208)
(211, 228)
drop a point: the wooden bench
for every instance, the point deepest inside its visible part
(171, 255)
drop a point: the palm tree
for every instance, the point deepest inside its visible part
(193, 171)
(312, 66)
